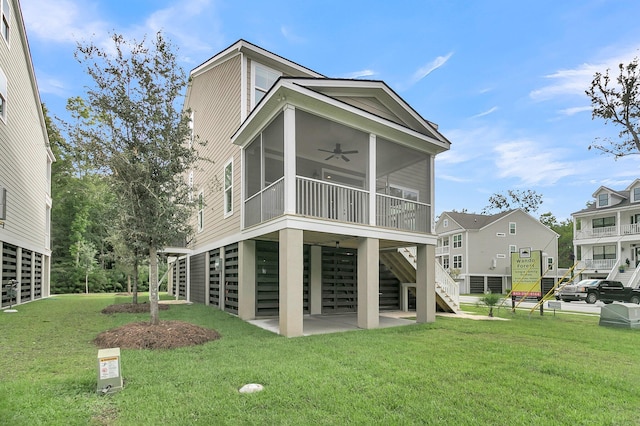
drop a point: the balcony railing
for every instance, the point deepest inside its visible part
(597, 264)
(393, 212)
(608, 231)
(442, 250)
(324, 200)
(330, 201)
(265, 205)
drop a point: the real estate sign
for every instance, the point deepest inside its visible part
(526, 273)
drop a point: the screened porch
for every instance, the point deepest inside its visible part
(341, 174)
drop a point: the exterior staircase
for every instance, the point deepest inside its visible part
(402, 262)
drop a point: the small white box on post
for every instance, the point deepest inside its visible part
(109, 371)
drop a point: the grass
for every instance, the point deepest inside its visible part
(562, 369)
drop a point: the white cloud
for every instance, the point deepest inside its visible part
(572, 82)
(52, 85)
(361, 74)
(487, 112)
(63, 21)
(290, 35)
(574, 110)
(531, 163)
(428, 69)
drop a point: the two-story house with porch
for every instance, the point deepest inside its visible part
(311, 182)
(607, 235)
(476, 249)
(25, 168)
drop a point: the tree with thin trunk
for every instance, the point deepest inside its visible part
(618, 101)
(135, 132)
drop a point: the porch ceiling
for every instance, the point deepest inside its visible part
(329, 240)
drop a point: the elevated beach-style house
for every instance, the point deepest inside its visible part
(607, 235)
(25, 168)
(312, 182)
(476, 249)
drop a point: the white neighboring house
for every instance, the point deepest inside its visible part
(607, 235)
(25, 167)
(477, 248)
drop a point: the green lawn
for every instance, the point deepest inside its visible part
(562, 369)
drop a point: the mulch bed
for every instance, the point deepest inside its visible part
(143, 335)
(131, 308)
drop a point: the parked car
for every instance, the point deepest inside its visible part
(612, 291)
(573, 292)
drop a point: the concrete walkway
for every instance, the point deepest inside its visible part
(324, 324)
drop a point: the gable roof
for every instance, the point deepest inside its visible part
(266, 57)
(472, 221)
(310, 94)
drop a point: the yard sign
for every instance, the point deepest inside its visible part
(526, 273)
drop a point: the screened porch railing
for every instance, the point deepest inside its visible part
(393, 212)
(325, 200)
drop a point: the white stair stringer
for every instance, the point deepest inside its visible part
(446, 287)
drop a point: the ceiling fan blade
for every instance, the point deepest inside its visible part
(345, 158)
(324, 150)
(350, 152)
(329, 157)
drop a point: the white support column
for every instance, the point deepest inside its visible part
(187, 277)
(32, 285)
(368, 283)
(315, 280)
(19, 275)
(247, 279)
(291, 271)
(222, 278)
(207, 277)
(45, 280)
(425, 284)
(289, 159)
(372, 179)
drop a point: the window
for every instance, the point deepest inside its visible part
(549, 263)
(445, 223)
(604, 252)
(457, 241)
(513, 248)
(512, 228)
(403, 192)
(263, 79)
(228, 188)
(200, 211)
(636, 194)
(457, 261)
(603, 200)
(3, 96)
(6, 19)
(445, 262)
(445, 242)
(603, 222)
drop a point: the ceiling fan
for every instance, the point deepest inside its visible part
(338, 152)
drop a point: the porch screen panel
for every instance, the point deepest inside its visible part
(231, 278)
(476, 285)
(197, 281)
(25, 276)
(339, 280)
(37, 276)
(9, 269)
(494, 284)
(215, 265)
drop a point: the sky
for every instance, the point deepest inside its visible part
(504, 80)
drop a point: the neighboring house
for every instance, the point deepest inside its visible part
(607, 235)
(311, 180)
(25, 167)
(476, 248)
